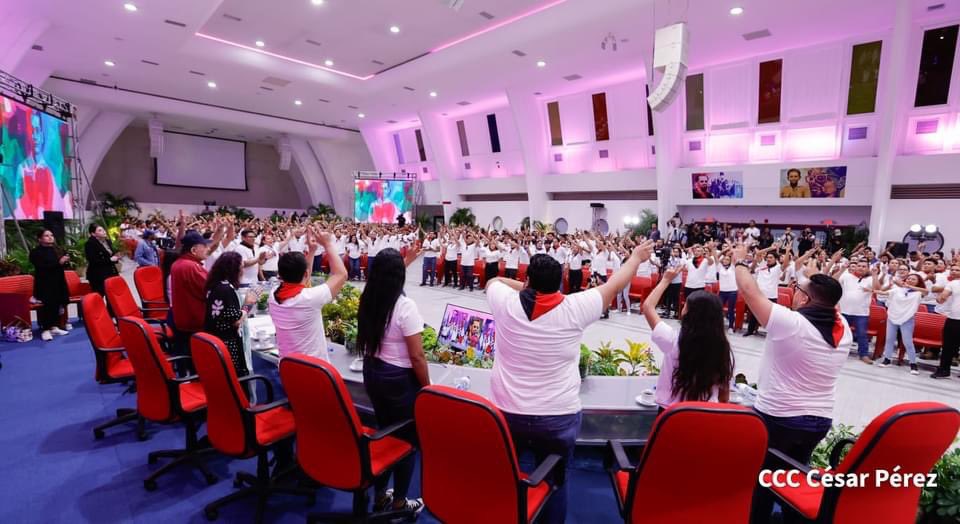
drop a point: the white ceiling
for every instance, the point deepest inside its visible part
(353, 33)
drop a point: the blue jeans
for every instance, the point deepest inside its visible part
(429, 270)
(729, 300)
(906, 329)
(542, 436)
(931, 308)
(354, 268)
(859, 325)
(392, 390)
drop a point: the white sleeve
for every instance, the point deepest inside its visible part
(318, 296)
(665, 337)
(497, 295)
(408, 318)
(588, 306)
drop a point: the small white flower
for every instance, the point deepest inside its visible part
(216, 308)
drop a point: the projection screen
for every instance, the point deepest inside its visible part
(199, 161)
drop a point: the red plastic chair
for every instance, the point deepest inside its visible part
(123, 305)
(333, 447)
(713, 287)
(449, 421)
(877, 327)
(522, 272)
(238, 429)
(112, 364)
(928, 331)
(907, 438)
(785, 296)
(149, 282)
(165, 398)
(714, 451)
(76, 288)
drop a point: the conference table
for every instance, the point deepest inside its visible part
(610, 404)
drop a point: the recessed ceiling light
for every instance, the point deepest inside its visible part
(211, 84)
(361, 115)
(109, 63)
(316, 2)
(736, 11)
(433, 94)
(541, 63)
(328, 62)
(297, 103)
(394, 29)
(260, 43)
(129, 6)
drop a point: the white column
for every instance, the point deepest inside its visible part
(531, 129)
(437, 132)
(668, 137)
(891, 110)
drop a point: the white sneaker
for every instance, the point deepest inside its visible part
(57, 331)
(46, 335)
(68, 327)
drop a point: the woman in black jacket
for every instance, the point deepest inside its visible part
(224, 313)
(49, 284)
(101, 261)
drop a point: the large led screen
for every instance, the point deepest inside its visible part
(382, 201)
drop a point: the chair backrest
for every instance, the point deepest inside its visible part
(448, 423)
(878, 319)
(74, 285)
(229, 427)
(150, 368)
(929, 328)
(785, 296)
(17, 284)
(149, 282)
(328, 428)
(102, 333)
(911, 437)
(713, 450)
(120, 298)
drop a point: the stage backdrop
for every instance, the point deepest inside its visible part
(381, 201)
(719, 184)
(813, 182)
(34, 171)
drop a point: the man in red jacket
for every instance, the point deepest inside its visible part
(188, 297)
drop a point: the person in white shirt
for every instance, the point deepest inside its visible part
(296, 309)
(903, 298)
(389, 336)
(468, 257)
(574, 267)
(804, 351)
(671, 299)
(935, 283)
(511, 258)
(354, 247)
(252, 258)
(490, 253)
(949, 301)
(751, 235)
(726, 276)
(535, 379)
(270, 250)
(431, 250)
(623, 296)
(696, 268)
(768, 276)
(858, 287)
(451, 277)
(697, 360)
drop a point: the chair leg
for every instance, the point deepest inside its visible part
(190, 455)
(124, 415)
(261, 486)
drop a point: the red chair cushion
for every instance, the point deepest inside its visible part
(806, 498)
(274, 425)
(623, 481)
(536, 496)
(385, 452)
(192, 397)
(121, 368)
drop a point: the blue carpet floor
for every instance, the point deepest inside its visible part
(52, 469)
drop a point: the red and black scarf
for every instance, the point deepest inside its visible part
(286, 291)
(535, 305)
(827, 321)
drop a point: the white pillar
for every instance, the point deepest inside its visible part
(891, 110)
(437, 133)
(667, 134)
(529, 121)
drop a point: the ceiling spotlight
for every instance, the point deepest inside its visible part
(211, 84)
(930, 229)
(541, 63)
(433, 94)
(361, 115)
(129, 6)
(736, 11)
(916, 228)
(260, 43)
(394, 29)
(109, 63)
(297, 103)
(328, 62)
(316, 2)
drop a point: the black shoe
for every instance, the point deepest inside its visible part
(885, 364)
(914, 370)
(938, 374)
(422, 284)
(750, 333)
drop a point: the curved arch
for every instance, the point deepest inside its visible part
(95, 140)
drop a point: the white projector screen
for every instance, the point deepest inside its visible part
(199, 161)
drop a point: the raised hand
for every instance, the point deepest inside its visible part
(739, 253)
(644, 250)
(670, 273)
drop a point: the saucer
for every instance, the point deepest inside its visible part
(357, 365)
(639, 400)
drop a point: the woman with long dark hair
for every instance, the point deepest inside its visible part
(101, 260)
(697, 360)
(49, 284)
(224, 314)
(389, 328)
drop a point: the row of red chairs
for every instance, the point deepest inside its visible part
(16, 290)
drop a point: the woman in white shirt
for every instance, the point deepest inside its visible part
(491, 259)
(511, 258)
(354, 247)
(727, 277)
(270, 250)
(389, 336)
(697, 360)
(671, 298)
(903, 299)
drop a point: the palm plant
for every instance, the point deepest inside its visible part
(321, 210)
(463, 216)
(117, 205)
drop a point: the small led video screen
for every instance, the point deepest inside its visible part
(464, 329)
(382, 201)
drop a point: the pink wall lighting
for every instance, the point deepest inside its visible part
(728, 149)
(811, 143)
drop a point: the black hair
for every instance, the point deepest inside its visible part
(92, 228)
(824, 290)
(794, 170)
(227, 267)
(291, 266)
(544, 274)
(384, 286)
(42, 232)
(705, 360)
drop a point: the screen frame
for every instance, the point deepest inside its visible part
(447, 307)
(246, 184)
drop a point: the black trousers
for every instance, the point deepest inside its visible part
(575, 276)
(510, 273)
(752, 323)
(951, 344)
(392, 390)
(48, 316)
(490, 271)
(450, 273)
(671, 298)
(467, 278)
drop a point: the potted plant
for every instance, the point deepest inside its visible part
(638, 358)
(941, 504)
(585, 356)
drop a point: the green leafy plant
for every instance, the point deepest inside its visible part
(585, 357)
(647, 219)
(241, 213)
(463, 216)
(942, 503)
(17, 262)
(638, 358)
(605, 360)
(117, 205)
(430, 342)
(262, 301)
(821, 454)
(525, 223)
(340, 316)
(322, 210)
(424, 221)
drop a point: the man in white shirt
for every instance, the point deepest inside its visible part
(431, 249)
(751, 235)
(296, 309)
(511, 258)
(451, 277)
(535, 379)
(805, 349)
(251, 259)
(575, 269)
(468, 257)
(858, 287)
(768, 276)
(950, 307)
